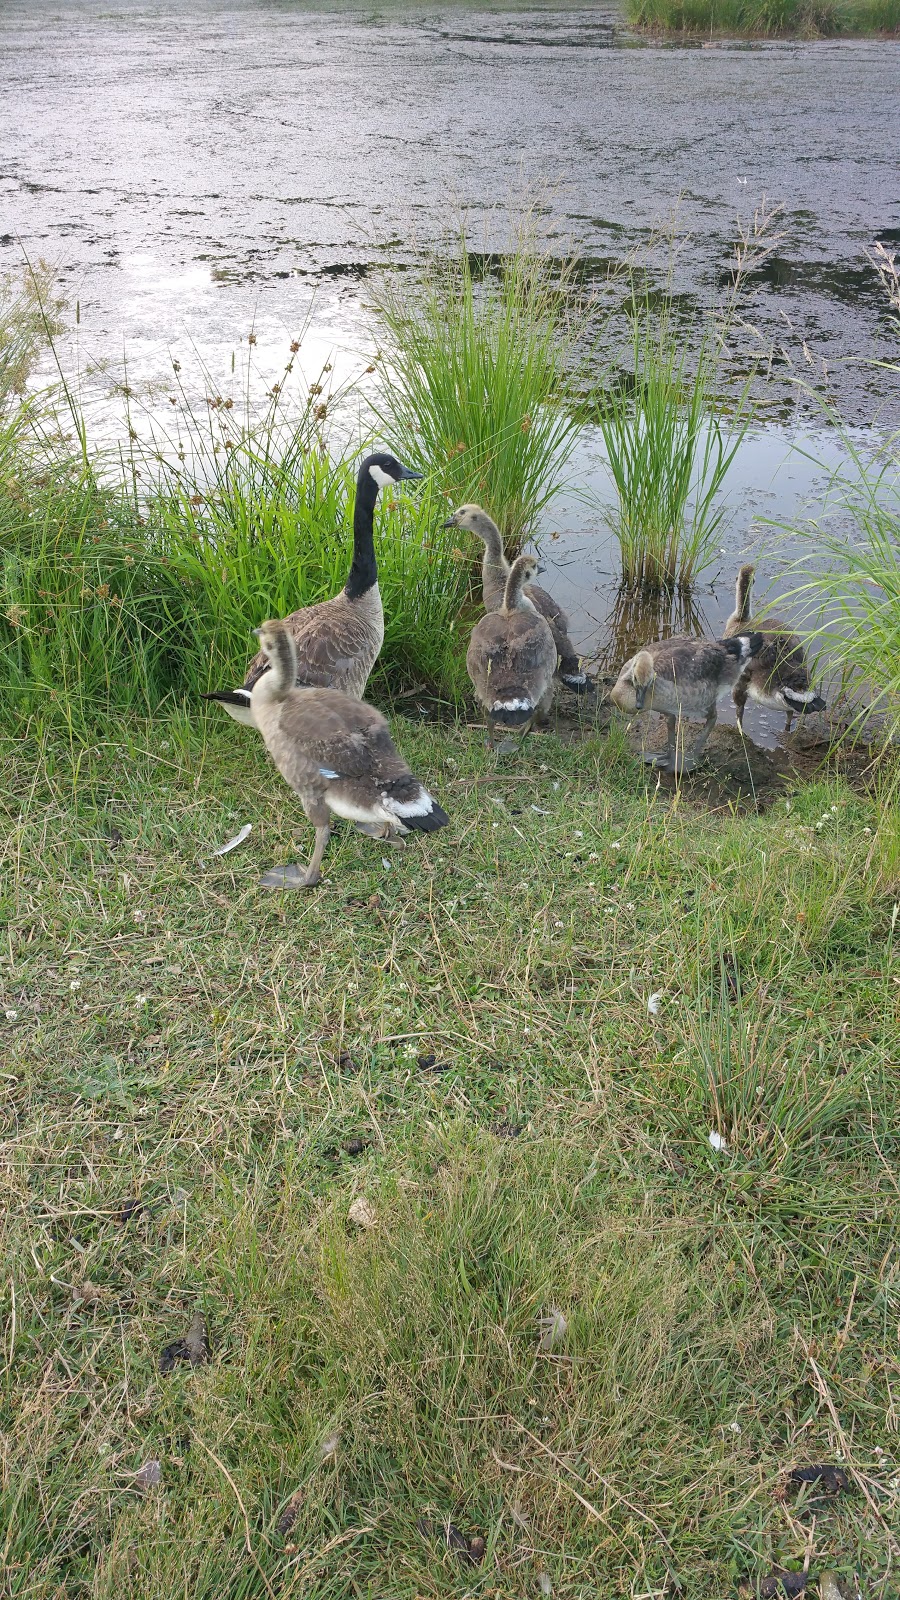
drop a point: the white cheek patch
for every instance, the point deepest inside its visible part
(381, 477)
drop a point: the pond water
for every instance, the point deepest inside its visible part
(197, 172)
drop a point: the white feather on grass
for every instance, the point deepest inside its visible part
(552, 1328)
(232, 844)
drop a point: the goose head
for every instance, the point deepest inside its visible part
(385, 469)
(476, 521)
(523, 570)
(643, 673)
(278, 647)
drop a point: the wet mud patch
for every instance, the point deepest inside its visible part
(738, 775)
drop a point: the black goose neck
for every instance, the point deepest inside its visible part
(364, 570)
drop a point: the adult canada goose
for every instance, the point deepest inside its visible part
(512, 658)
(337, 641)
(336, 753)
(778, 677)
(494, 573)
(683, 677)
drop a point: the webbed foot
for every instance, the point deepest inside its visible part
(289, 877)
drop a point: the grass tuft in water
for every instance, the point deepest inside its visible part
(668, 451)
(806, 19)
(476, 370)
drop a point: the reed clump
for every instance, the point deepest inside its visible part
(804, 19)
(668, 450)
(477, 367)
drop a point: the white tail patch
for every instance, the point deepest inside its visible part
(574, 677)
(799, 697)
(421, 806)
(513, 705)
(327, 772)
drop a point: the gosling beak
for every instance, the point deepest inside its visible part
(540, 569)
(640, 695)
(407, 473)
(451, 522)
(256, 632)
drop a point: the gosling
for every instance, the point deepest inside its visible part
(512, 659)
(337, 754)
(683, 677)
(494, 573)
(778, 677)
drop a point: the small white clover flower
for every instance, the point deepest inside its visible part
(559, 924)
(615, 845)
(75, 984)
(11, 1015)
(142, 1000)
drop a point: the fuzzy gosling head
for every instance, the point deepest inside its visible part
(642, 676)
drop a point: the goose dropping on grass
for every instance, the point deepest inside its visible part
(512, 659)
(337, 754)
(683, 677)
(337, 641)
(494, 573)
(778, 676)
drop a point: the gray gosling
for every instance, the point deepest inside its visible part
(512, 659)
(683, 677)
(494, 573)
(337, 754)
(337, 640)
(778, 677)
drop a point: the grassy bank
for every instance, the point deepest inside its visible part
(804, 19)
(200, 1080)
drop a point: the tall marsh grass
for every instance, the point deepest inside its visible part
(857, 591)
(668, 451)
(476, 371)
(126, 585)
(805, 19)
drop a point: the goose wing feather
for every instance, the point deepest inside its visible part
(337, 646)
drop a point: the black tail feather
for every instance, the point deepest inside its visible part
(512, 719)
(435, 819)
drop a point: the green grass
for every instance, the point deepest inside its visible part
(246, 1066)
(475, 373)
(857, 592)
(110, 602)
(668, 451)
(806, 19)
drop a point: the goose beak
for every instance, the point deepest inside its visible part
(540, 569)
(640, 695)
(406, 473)
(451, 522)
(256, 632)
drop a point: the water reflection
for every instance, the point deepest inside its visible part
(639, 616)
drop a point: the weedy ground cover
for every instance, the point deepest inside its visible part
(200, 1080)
